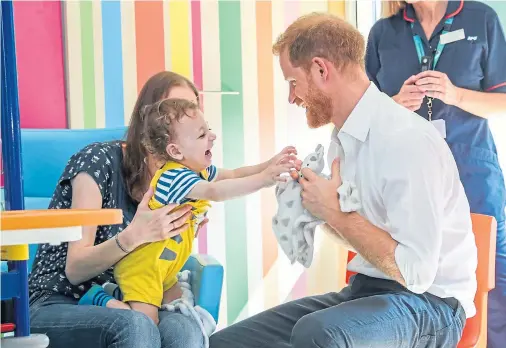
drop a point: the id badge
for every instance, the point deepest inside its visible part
(440, 127)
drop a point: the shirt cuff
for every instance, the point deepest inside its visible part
(417, 275)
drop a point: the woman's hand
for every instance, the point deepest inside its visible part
(410, 96)
(154, 225)
(436, 84)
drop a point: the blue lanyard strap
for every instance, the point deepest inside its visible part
(420, 51)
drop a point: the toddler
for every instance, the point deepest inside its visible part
(177, 134)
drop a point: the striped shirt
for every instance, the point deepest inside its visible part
(175, 184)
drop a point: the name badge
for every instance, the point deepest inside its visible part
(452, 36)
(440, 127)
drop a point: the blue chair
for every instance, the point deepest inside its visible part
(45, 153)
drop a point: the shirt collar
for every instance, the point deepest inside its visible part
(357, 125)
(453, 9)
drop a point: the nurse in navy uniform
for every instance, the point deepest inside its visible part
(446, 61)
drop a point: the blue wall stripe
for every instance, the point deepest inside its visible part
(113, 63)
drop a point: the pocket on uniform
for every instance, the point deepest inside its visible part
(482, 178)
(467, 54)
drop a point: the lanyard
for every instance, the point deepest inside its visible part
(420, 51)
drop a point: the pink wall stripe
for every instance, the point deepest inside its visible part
(41, 73)
(300, 288)
(196, 43)
(292, 11)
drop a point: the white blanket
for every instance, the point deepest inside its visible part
(186, 306)
(293, 225)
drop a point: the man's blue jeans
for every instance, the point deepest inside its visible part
(368, 313)
(70, 325)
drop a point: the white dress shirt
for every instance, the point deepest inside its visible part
(409, 186)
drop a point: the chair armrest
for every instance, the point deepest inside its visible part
(206, 281)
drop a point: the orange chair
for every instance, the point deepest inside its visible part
(475, 330)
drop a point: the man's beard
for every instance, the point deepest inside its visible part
(318, 107)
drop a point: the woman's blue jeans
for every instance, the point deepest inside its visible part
(70, 325)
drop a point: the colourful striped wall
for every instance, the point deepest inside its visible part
(40, 63)
(110, 48)
(224, 46)
(88, 73)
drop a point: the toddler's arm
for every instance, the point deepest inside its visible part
(172, 294)
(222, 190)
(225, 174)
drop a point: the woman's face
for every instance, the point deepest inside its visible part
(183, 92)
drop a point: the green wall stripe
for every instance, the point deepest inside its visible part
(88, 64)
(233, 155)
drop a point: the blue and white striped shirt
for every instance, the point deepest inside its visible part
(175, 184)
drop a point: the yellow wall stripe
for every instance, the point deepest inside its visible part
(181, 61)
(337, 7)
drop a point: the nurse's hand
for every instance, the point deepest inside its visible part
(410, 96)
(436, 84)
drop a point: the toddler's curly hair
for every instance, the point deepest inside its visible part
(159, 119)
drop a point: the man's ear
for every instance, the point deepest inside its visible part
(174, 152)
(319, 70)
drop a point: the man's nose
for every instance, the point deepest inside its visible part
(291, 96)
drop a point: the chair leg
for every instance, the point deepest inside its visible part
(21, 308)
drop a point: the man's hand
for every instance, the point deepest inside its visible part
(319, 195)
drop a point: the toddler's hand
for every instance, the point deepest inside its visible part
(289, 150)
(272, 173)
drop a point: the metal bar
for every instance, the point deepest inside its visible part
(21, 305)
(11, 148)
(11, 141)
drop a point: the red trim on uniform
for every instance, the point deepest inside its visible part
(412, 20)
(495, 87)
(457, 11)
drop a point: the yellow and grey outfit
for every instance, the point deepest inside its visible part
(146, 273)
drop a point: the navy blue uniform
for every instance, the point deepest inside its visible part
(477, 62)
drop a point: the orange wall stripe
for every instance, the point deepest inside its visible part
(149, 40)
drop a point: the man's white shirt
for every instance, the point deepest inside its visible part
(409, 186)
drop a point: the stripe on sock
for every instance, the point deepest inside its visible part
(101, 298)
